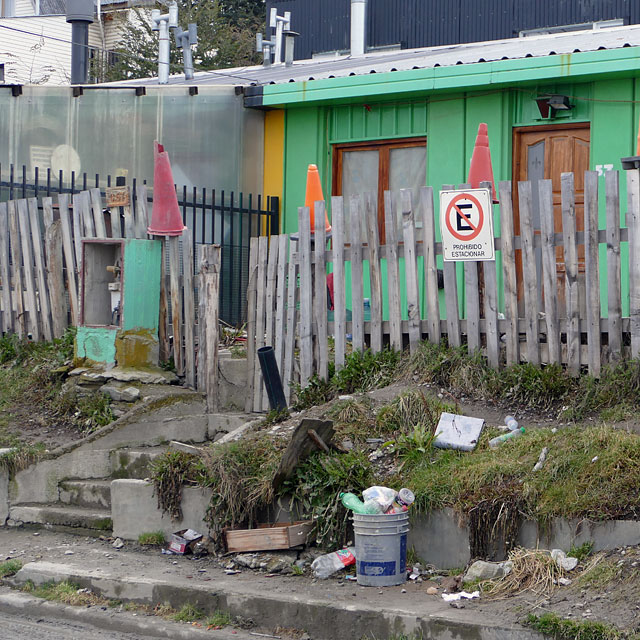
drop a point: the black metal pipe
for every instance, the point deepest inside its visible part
(272, 380)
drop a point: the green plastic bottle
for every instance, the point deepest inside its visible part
(351, 501)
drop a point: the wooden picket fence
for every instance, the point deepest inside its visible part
(556, 320)
(40, 270)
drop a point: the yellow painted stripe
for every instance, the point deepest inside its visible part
(273, 174)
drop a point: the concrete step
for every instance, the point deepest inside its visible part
(134, 463)
(86, 493)
(88, 522)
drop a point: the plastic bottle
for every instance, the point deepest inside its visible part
(351, 501)
(498, 440)
(511, 422)
(324, 566)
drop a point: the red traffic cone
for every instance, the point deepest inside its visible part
(165, 216)
(313, 195)
(481, 169)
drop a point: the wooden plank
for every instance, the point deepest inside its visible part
(339, 293)
(129, 222)
(5, 271)
(509, 270)
(210, 290)
(320, 291)
(491, 303)
(531, 304)
(269, 315)
(592, 271)
(29, 276)
(40, 269)
(258, 390)
(282, 535)
(189, 307)
(281, 291)
(357, 297)
(571, 273)
(201, 359)
(451, 298)
(98, 215)
(55, 278)
(176, 301)
(251, 322)
(142, 214)
(393, 272)
(163, 320)
(69, 256)
(290, 338)
(47, 212)
(87, 215)
(472, 297)
(78, 232)
(549, 275)
(306, 297)
(633, 222)
(375, 274)
(411, 269)
(430, 265)
(116, 226)
(612, 196)
(16, 263)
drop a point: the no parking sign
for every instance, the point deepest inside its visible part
(466, 224)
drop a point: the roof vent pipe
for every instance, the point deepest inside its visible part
(80, 15)
(289, 44)
(358, 14)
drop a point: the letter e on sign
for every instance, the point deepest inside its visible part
(466, 224)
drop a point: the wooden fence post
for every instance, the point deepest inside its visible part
(210, 289)
(306, 296)
(176, 299)
(251, 323)
(393, 272)
(430, 267)
(339, 299)
(451, 296)
(16, 262)
(69, 256)
(189, 307)
(614, 324)
(41, 274)
(633, 222)
(411, 269)
(5, 270)
(357, 298)
(592, 271)
(509, 267)
(375, 274)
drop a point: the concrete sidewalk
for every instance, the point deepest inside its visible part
(327, 610)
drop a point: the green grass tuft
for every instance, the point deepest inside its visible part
(218, 619)
(10, 567)
(188, 613)
(557, 628)
(152, 538)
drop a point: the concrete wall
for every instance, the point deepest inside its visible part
(134, 510)
(4, 497)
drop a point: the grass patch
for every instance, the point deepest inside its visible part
(188, 613)
(22, 454)
(10, 567)
(316, 485)
(152, 538)
(217, 620)
(581, 552)
(65, 592)
(599, 572)
(568, 485)
(559, 629)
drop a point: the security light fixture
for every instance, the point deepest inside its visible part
(549, 104)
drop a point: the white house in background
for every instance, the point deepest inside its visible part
(35, 38)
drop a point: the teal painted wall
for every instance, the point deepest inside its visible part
(450, 122)
(96, 343)
(141, 297)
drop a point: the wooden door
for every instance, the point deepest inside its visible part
(543, 153)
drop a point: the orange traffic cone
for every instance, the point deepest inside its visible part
(313, 195)
(481, 169)
(165, 216)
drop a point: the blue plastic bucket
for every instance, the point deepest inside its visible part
(381, 549)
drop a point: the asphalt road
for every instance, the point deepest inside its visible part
(28, 628)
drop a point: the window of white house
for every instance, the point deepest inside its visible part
(377, 167)
(7, 8)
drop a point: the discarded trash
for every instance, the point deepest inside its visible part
(432, 591)
(269, 537)
(458, 432)
(450, 597)
(498, 440)
(181, 541)
(564, 582)
(402, 502)
(541, 458)
(166, 552)
(563, 561)
(351, 578)
(382, 495)
(594, 459)
(351, 501)
(118, 543)
(328, 564)
(511, 423)
(231, 572)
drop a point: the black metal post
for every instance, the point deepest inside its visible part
(272, 380)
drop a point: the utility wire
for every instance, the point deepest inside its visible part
(132, 56)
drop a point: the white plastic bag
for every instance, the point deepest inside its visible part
(382, 495)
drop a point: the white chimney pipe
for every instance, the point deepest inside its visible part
(358, 10)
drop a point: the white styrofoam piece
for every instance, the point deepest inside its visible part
(458, 432)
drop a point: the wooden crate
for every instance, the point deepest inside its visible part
(267, 537)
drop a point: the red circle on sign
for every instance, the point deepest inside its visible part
(452, 207)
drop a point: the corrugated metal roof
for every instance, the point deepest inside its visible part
(423, 58)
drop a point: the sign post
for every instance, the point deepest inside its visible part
(466, 224)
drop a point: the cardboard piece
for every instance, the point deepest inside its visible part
(458, 432)
(267, 537)
(181, 541)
